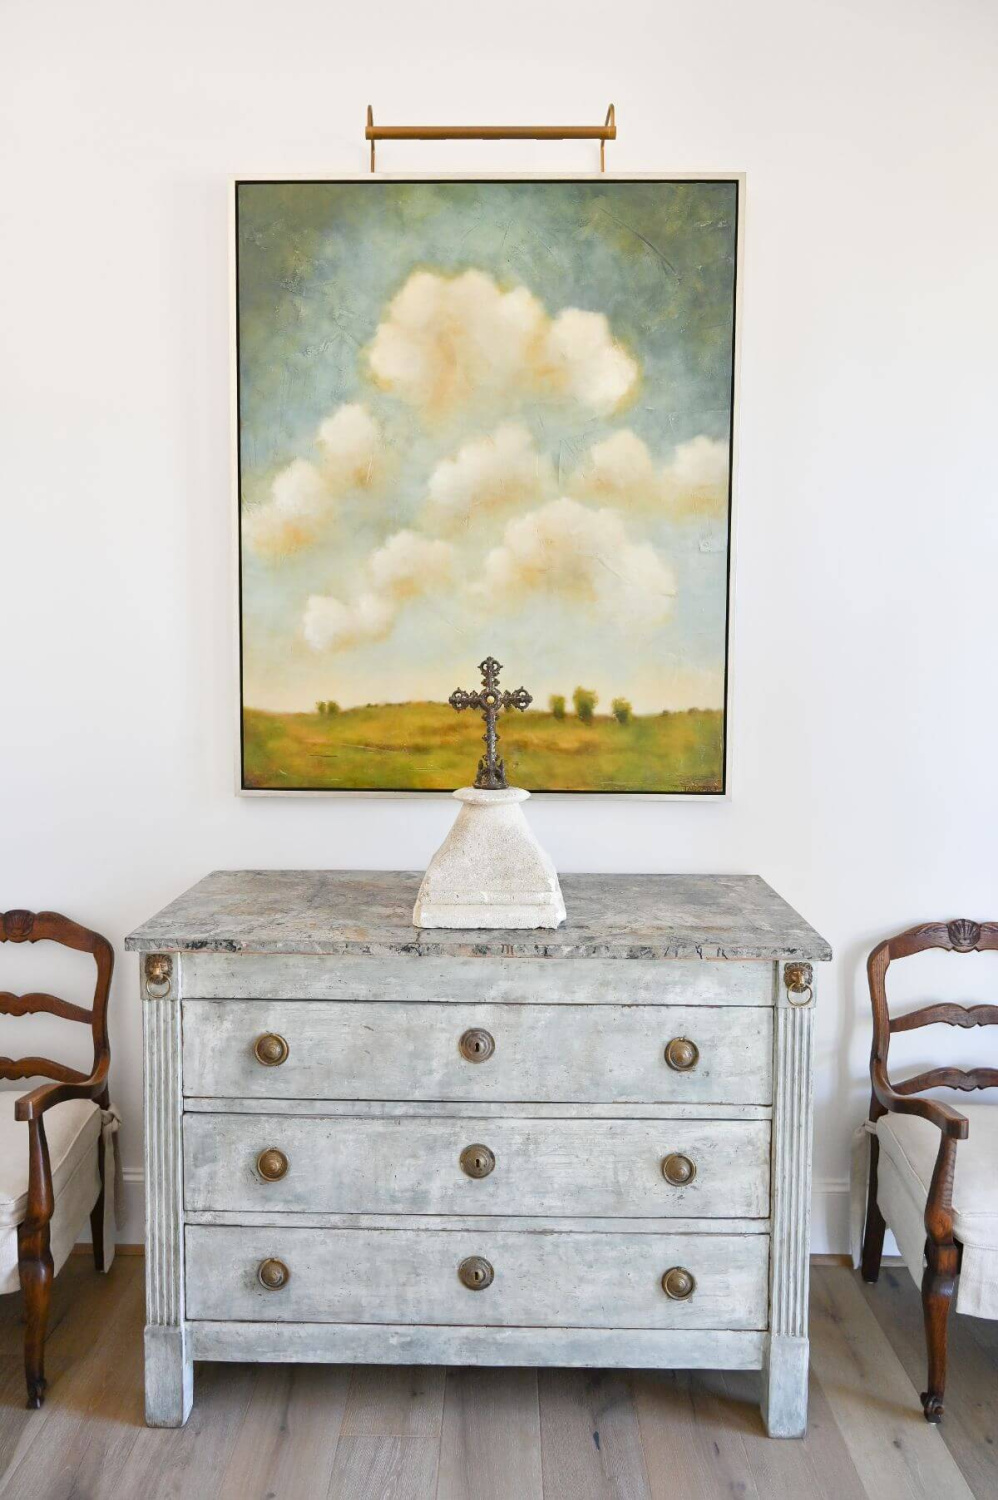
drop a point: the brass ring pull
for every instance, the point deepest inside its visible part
(678, 1170)
(270, 1049)
(158, 975)
(272, 1164)
(476, 1273)
(799, 979)
(273, 1275)
(679, 1284)
(477, 1045)
(681, 1054)
(477, 1161)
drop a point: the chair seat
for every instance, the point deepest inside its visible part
(71, 1129)
(911, 1144)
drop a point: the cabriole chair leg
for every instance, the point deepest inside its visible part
(937, 1295)
(36, 1270)
(97, 1213)
(873, 1237)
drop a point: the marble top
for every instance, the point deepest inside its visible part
(370, 912)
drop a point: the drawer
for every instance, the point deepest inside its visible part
(609, 1168)
(453, 1051)
(419, 978)
(548, 1280)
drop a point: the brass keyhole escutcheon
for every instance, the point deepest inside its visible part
(477, 1045)
(477, 1161)
(678, 1170)
(475, 1273)
(273, 1274)
(681, 1054)
(270, 1049)
(272, 1164)
(679, 1284)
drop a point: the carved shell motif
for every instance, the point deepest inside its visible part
(17, 925)
(964, 935)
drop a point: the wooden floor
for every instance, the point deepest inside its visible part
(282, 1432)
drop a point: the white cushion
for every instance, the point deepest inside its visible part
(908, 1150)
(912, 1144)
(71, 1129)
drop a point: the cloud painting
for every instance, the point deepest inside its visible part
(485, 418)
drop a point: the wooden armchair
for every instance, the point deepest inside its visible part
(913, 1156)
(73, 1105)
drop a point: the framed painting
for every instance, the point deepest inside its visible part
(485, 418)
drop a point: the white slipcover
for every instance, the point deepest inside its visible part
(908, 1150)
(72, 1130)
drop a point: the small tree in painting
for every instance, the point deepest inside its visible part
(557, 705)
(584, 701)
(621, 710)
(320, 708)
(332, 708)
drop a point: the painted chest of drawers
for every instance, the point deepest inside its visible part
(581, 1147)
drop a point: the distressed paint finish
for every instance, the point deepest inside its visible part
(344, 1050)
(370, 913)
(373, 1012)
(785, 1371)
(312, 976)
(542, 1167)
(421, 1109)
(169, 1366)
(543, 1224)
(423, 1344)
(542, 1280)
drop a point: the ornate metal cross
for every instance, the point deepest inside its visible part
(491, 771)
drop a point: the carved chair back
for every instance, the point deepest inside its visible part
(32, 927)
(958, 937)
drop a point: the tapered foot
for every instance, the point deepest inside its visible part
(932, 1406)
(784, 1387)
(36, 1393)
(169, 1375)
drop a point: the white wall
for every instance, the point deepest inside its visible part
(864, 710)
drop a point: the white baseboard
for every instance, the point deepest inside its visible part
(829, 1214)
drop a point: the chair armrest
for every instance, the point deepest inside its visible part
(32, 1106)
(943, 1116)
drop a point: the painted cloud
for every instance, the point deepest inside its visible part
(621, 470)
(565, 549)
(491, 473)
(407, 567)
(450, 342)
(304, 496)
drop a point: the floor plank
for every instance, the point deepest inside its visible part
(490, 1444)
(188, 1463)
(395, 1401)
(385, 1468)
(81, 1437)
(970, 1425)
(82, 1301)
(590, 1439)
(875, 1404)
(286, 1443)
(691, 1436)
(819, 1466)
(282, 1432)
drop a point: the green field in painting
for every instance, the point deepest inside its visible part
(427, 746)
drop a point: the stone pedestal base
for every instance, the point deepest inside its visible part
(490, 871)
